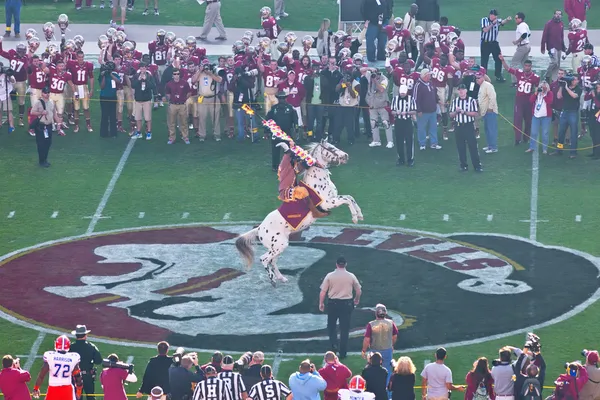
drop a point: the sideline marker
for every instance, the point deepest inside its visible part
(11, 214)
(446, 217)
(54, 214)
(402, 217)
(490, 217)
(578, 218)
(142, 215)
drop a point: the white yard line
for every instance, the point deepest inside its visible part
(34, 350)
(54, 214)
(402, 217)
(490, 217)
(226, 216)
(578, 218)
(535, 178)
(185, 215)
(277, 362)
(11, 214)
(446, 217)
(142, 214)
(129, 359)
(111, 186)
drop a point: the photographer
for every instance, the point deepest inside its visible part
(215, 361)
(143, 86)
(344, 113)
(569, 385)
(13, 380)
(180, 376)
(306, 384)
(570, 92)
(378, 99)
(114, 376)
(591, 389)
(502, 373)
(542, 116)
(109, 81)
(594, 96)
(242, 94)
(44, 110)
(207, 80)
(7, 82)
(531, 356)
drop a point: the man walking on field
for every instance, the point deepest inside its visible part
(212, 17)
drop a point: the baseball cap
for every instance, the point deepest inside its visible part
(227, 360)
(341, 261)
(403, 89)
(425, 72)
(291, 71)
(380, 309)
(462, 86)
(46, 89)
(592, 357)
(493, 11)
(210, 370)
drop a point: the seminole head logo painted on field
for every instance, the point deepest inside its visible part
(187, 285)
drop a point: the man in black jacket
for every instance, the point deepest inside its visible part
(330, 77)
(428, 13)
(181, 377)
(376, 14)
(157, 372)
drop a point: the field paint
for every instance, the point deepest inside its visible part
(111, 186)
(277, 362)
(226, 216)
(141, 215)
(490, 217)
(402, 217)
(11, 214)
(34, 350)
(533, 207)
(129, 359)
(54, 214)
(539, 220)
(446, 217)
(185, 215)
(577, 218)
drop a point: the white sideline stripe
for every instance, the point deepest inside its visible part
(226, 216)
(11, 214)
(141, 215)
(54, 214)
(277, 362)
(185, 215)
(26, 355)
(535, 177)
(446, 217)
(111, 186)
(34, 350)
(490, 217)
(402, 217)
(577, 218)
(129, 359)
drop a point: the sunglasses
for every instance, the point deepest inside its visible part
(176, 74)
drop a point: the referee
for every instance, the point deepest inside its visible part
(489, 42)
(212, 388)
(463, 111)
(233, 379)
(337, 287)
(269, 388)
(404, 109)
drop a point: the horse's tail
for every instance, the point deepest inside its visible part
(244, 245)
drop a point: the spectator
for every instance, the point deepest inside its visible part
(436, 379)
(570, 93)
(409, 24)
(376, 377)
(556, 103)
(425, 98)
(479, 381)
(488, 109)
(6, 87)
(542, 117)
(577, 9)
(380, 336)
(594, 96)
(215, 360)
(336, 376)
(13, 380)
(378, 101)
(402, 382)
(12, 9)
(553, 40)
(306, 384)
(376, 14)
(144, 87)
(591, 389)
(157, 372)
(344, 113)
(181, 378)
(502, 373)
(531, 388)
(323, 38)
(113, 380)
(428, 12)
(570, 384)
(251, 375)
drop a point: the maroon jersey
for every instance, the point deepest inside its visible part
(577, 40)
(302, 72)
(59, 81)
(80, 73)
(272, 78)
(153, 69)
(137, 55)
(36, 77)
(587, 76)
(158, 53)
(439, 74)
(406, 79)
(460, 45)
(272, 29)
(399, 34)
(177, 91)
(444, 31)
(295, 92)
(525, 81)
(397, 75)
(17, 63)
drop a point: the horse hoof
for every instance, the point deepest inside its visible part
(355, 220)
(273, 284)
(361, 218)
(282, 279)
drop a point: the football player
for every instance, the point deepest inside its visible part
(271, 28)
(397, 31)
(588, 74)
(356, 390)
(82, 73)
(37, 79)
(442, 78)
(271, 76)
(578, 38)
(62, 367)
(18, 61)
(295, 93)
(445, 29)
(59, 79)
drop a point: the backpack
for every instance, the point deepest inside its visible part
(531, 389)
(481, 392)
(561, 392)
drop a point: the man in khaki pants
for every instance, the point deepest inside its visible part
(177, 92)
(207, 80)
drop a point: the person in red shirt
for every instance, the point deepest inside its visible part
(335, 374)
(577, 9)
(578, 38)
(59, 79)
(177, 92)
(13, 380)
(18, 61)
(295, 94)
(270, 27)
(82, 73)
(480, 374)
(271, 76)
(113, 380)
(527, 81)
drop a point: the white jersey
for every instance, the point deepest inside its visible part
(346, 394)
(61, 367)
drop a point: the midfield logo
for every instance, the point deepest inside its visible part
(187, 285)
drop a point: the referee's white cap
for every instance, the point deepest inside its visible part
(403, 89)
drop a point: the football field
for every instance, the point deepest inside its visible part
(134, 239)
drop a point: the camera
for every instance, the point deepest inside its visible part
(107, 68)
(539, 90)
(209, 67)
(178, 355)
(6, 70)
(533, 343)
(106, 363)
(567, 79)
(242, 362)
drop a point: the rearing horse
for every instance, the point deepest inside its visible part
(274, 231)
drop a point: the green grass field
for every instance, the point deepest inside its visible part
(209, 180)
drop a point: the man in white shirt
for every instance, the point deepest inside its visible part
(522, 42)
(437, 378)
(410, 23)
(6, 86)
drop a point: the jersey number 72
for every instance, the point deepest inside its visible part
(62, 369)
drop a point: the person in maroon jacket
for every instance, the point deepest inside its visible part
(13, 380)
(577, 9)
(541, 103)
(553, 40)
(479, 380)
(335, 374)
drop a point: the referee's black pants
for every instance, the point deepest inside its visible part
(492, 48)
(339, 310)
(465, 136)
(403, 132)
(43, 142)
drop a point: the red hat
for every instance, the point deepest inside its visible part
(592, 357)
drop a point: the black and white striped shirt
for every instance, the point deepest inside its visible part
(467, 105)
(269, 389)
(492, 34)
(403, 105)
(212, 388)
(235, 382)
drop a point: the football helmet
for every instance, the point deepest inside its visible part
(265, 12)
(435, 29)
(79, 41)
(30, 33)
(358, 58)
(70, 45)
(34, 44)
(111, 33)
(283, 47)
(398, 23)
(160, 35)
(394, 62)
(170, 38)
(246, 40)
(344, 53)
(48, 31)
(120, 37)
(62, 344)
(251, 49)
(575, 24)
(391, 45)
(128, 48)
(291, 38)
(307, 40)
(452, 38)
(201, 52)
(250, 35)
(357, 384)
(419, 33)
(63, 22)
(179, 44)
(265, 43)
(339, 35)
(52, 49)
(21, 50)
(191, 42)
(103, 41)
(239, 47)
(586, 61)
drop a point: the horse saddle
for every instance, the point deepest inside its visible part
(316, 211)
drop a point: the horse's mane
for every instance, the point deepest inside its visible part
(311, 146)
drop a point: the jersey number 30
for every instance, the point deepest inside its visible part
(62, 370)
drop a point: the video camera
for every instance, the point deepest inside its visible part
(209, 67)
(106, 363)
(243, 362)
(107, 68)
(533, 343)
(567, 79)
(573, 367)
(6, 70)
